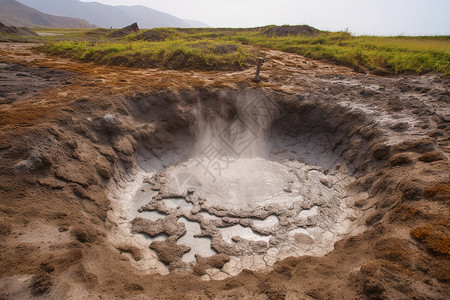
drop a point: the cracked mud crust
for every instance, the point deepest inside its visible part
(88, 207)
(309, 212)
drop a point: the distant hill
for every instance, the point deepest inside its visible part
(150, 18)
(14, 13)
(196, 24)
(107, 15)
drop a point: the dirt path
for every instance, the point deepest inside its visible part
(70, 131)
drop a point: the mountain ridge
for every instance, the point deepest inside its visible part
(107, 15)
(14, 13)
(195, 23)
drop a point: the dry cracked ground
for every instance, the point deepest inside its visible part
(316, 183)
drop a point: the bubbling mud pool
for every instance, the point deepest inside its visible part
(250, 189)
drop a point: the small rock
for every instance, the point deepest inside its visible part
(110, 118)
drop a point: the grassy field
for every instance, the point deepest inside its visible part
(61, 30)
(172, 54)
(233, 49)
(392, 54)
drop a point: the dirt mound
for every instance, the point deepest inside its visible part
(291, 30)
(124, 31)
(17, 30)
(153, 36)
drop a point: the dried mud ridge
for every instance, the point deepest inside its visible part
(70, 152)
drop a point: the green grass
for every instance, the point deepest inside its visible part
(171, 54)
(61, 30)
(196, 48)
(390, 54)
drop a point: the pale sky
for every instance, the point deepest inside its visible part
(374, 17)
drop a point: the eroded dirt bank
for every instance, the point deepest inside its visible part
(71, 145)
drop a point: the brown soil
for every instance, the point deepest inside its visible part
(21, 82)
(58, 150)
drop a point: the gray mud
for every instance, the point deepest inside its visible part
(19, 82)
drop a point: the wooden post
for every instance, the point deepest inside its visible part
(258, 69)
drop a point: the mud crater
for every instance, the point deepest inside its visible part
(253, 179)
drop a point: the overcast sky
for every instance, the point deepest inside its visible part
(377, 17)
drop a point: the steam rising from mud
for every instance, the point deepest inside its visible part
(243, 134)
(234, 196)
